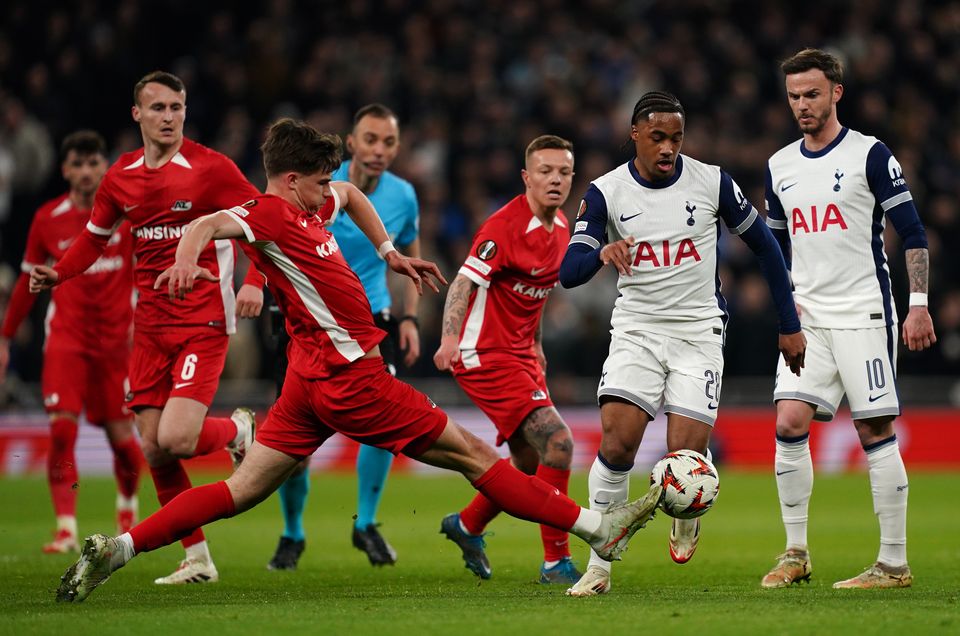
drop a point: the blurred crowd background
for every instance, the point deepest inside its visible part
(472, 83)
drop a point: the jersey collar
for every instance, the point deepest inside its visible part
(656, 185)
(814, 154)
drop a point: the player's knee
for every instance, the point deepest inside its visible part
(177, 443)
(788, 426)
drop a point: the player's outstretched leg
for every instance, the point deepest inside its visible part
(246, 422)
(532, 499)
(373, 465)
(262, 472)
(293, 499)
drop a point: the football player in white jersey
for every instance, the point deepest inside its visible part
(828, 195)
(656, 220)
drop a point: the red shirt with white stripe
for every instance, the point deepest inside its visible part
(327, 312)
(160, 203)
(89, 313)
(515, 261)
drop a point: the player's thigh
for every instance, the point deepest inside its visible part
(368, 405)
(292, 426)
(819, 382)
(182, 417)
(867, 363)
(262, 471)
(694, 379)
(634, 372)
(63, 380)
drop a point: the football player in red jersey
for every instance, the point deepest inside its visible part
(492, 343)
(336, 380)
(179, 348)
(84, 367)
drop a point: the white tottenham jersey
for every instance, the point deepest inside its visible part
(673, 288)
(831, 203)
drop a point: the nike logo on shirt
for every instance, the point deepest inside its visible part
(784, 188)
(624, 219)
(127, 208)
(536, 270)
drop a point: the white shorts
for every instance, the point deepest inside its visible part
(859, 362)
(649, 370)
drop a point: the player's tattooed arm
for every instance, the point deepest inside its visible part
(918, 269)
(918, 333)
(454, 312)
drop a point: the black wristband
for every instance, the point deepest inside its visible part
(412, 318)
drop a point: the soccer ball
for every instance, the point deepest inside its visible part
(690, 483)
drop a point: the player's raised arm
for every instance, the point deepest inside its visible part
(454, 311)
(181, 276)
(358, 206)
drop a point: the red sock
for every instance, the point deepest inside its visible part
(556, 543)
(127, 460)
(62, 466)
(526, 497)
(171, 480)
(478, 514)
(215, 433)
(183, 516)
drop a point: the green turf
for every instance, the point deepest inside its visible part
(428, 591)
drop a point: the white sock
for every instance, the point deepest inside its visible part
(587, 524)
(127, 503)
(794, 470)
(888, 482)
(606, 487)
(199, 551)
(67, 522)
(126, 552)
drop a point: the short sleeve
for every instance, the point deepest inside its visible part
(228, 185)
(106, 213)
(488, 254)
(258, 220)
(411, 221)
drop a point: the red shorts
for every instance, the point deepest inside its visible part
(506, 389)
(363, 402)
(75, 381)
(177, 363)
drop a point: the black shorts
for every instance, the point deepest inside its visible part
(389, 346)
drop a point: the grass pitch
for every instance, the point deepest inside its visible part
(335, 591)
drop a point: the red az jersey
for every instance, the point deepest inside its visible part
(92, 312)
(516, 262)
(160, 203)
(328, 316)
